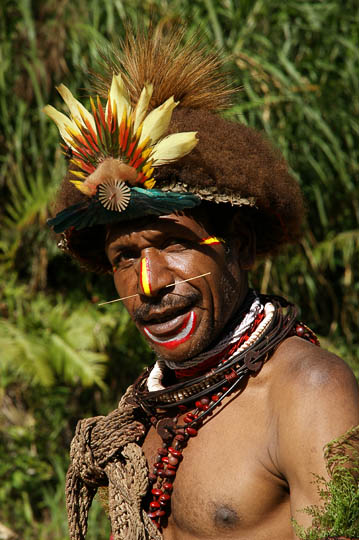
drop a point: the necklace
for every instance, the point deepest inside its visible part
(238, 333)
(241, 324)
(198, 397)
(249, 357)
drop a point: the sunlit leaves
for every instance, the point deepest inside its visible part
(49, 343)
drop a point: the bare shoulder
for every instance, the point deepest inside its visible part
(315, 398)
(303, 370)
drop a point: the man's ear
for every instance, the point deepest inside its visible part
(244, 238)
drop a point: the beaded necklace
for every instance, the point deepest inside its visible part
(197, 399)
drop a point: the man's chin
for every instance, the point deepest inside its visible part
(181, 352)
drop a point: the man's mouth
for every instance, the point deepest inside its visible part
(171, 332)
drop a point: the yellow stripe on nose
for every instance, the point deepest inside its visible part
(211, 240)
(145, 277)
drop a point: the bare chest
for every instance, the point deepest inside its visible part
(226, 483)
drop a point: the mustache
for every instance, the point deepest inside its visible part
(171, 301)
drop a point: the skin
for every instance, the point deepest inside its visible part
(250, 469)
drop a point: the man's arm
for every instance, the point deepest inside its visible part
(318, 400)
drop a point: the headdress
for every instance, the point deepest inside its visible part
(114, 153)
(157, 147)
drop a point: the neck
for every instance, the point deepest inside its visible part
(221, 357)
(249, 306)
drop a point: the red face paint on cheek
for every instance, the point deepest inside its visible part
(183, 334)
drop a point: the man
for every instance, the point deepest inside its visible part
(222, 436)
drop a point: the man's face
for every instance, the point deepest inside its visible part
(178, 319)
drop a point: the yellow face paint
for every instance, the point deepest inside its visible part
(145, 277)
(211, 240)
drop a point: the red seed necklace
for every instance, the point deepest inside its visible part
(198, 396)
(175, 437)
(169, 456)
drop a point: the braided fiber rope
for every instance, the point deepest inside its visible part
(104, 452)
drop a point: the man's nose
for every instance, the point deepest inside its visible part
(154, 275)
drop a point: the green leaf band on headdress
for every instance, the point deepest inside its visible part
(142, 203)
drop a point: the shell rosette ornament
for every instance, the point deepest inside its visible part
(114, 151)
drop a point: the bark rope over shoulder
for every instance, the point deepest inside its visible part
(104, 452)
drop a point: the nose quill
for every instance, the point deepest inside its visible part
(149, 289)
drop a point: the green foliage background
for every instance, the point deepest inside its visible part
(62, 357)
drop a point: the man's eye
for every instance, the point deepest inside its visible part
(175, 244)
(125, 256)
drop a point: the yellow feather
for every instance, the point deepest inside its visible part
(146, 153)
(77, 110)
(174, 147)
(142, 105)
(76, 162)
(78, 124)
(155, 125)
(79, 174)
(138, 132)
(124, 117)
(118, 95)
(114, 108)
(80, 186)
(63, 122)
(145, 142)
(147, 167)
(149, 184)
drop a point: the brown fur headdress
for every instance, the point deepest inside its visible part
(230, 164)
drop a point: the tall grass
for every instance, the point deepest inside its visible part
(297, 64)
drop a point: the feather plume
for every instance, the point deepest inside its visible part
(188, 72)
(118, 142)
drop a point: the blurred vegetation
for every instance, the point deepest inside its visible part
(62, 357)
(338, 517)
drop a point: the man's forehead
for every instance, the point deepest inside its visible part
(172, 223)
